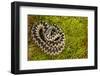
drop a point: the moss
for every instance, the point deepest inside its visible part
(75, 30)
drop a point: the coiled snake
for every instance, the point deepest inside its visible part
(49, 38)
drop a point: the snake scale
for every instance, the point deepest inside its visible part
(50, 38)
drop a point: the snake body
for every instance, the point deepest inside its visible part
(50, 38)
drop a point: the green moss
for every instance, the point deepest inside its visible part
(75, 30)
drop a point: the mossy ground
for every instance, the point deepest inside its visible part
(75, 29)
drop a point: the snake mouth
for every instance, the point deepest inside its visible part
(49, 38)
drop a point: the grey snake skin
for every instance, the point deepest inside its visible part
(50, 38)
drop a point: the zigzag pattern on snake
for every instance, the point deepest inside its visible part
(50, 38)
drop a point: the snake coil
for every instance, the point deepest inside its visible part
(49, 38)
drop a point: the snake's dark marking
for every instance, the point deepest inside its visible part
(50, 38)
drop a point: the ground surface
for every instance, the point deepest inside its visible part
(75, 30)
